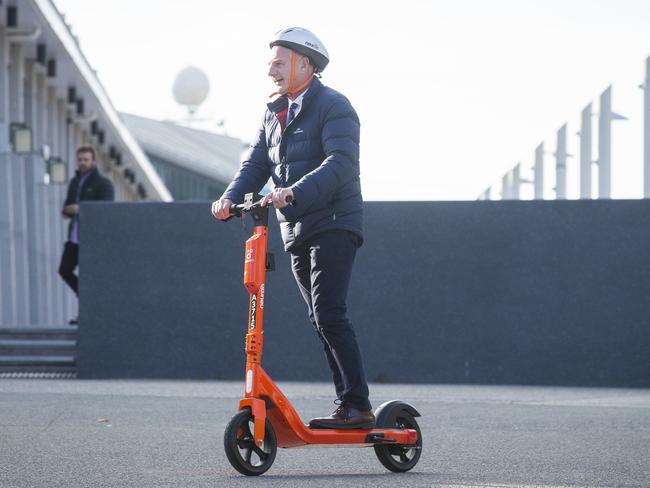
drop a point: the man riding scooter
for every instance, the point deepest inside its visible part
(308, 144)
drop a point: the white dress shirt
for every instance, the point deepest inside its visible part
(297, 101)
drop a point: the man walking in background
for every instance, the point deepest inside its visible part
(87, 184)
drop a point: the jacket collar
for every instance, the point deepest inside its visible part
(91, 174)
(282, 102)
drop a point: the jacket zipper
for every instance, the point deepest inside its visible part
(283, 162)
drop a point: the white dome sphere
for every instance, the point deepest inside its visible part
(191, 87)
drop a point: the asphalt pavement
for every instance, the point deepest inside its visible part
(74, 433)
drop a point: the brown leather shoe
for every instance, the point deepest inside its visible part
(344, 417)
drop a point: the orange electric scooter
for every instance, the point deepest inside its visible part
(266, 419)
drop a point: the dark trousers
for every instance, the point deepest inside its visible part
(322, 268)
(69, 261)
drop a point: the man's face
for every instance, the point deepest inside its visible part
(85, 161)
(280, 68)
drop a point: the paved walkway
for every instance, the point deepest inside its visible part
(73, 433)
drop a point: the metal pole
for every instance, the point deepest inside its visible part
(585, 153)
(49, 272)
(539, 172)
(646, 130)
(8, 271)
(20, 232)
(56, 240)
(605, 144)
(506, 193)
(516, 181)
(35, 218)
(560, 164)
(63, 143)
(486, 194)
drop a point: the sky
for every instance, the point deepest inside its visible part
(450, 94)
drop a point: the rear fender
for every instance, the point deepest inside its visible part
(387, 412)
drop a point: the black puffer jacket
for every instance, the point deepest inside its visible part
(317, 156)
(96, 187)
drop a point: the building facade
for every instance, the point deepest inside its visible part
(51, 102)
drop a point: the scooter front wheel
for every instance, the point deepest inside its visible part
(241, 450)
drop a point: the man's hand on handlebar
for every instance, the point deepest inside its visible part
(221, 209)
(279, 197)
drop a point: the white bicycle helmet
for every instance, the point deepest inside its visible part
(304, 42)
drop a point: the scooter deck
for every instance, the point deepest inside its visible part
(302, 435)
(356, 437)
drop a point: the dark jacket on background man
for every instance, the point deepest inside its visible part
(96, 187)
(317, 156)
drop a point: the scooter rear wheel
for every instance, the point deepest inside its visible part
(400, 458)
(241, 450)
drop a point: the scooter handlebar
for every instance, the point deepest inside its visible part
(240, 208)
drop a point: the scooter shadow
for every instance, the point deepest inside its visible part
(274, 478)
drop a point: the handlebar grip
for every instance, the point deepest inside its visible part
(234, 212)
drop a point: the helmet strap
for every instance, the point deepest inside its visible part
(291, 90)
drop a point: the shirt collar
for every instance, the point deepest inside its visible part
(298, 100)
(86, 175)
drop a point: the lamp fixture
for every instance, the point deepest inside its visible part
(21, 138)
(57, 170)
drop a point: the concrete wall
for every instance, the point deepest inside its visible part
(512, 292)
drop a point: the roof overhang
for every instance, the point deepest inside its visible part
(74, 70)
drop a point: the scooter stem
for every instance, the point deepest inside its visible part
(254, 280)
